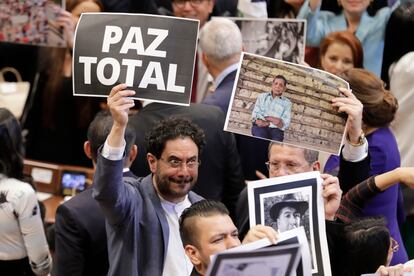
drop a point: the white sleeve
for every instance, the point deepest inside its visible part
(113, 153)
(31, 227)
(355, 153)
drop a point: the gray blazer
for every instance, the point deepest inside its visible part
(137, 228)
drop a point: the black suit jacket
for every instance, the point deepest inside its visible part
(220, 174)
(80, 237)
(252, 151)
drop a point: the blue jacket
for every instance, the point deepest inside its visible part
(370, 32)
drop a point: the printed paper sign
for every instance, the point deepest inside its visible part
(153, 55)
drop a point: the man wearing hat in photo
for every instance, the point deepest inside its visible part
(288, 212)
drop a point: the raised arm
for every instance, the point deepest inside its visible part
(314, 4)
(403, 175)
(353, 201)
(119, 105)
(318, 22)
(114, 197)
(355, 163)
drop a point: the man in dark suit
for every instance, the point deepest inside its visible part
(220, 174)
(221, 59)
(142, 218)
(80, 236)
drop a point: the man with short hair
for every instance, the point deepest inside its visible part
(271, 113)
(220, 175)
(80, 236)
(142, 218)
(207, 229)
(221, 45)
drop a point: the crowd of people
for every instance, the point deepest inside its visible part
(169, 188)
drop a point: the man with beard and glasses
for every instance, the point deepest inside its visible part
(142, 218)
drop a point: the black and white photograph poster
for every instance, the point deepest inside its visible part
(274, 37)
(288, 202)
(293, 236)
(153, 55)
(286, 103)
(270, 261)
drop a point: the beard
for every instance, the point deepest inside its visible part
(174, 187)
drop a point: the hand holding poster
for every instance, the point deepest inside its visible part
(288, 202)
(270, 261)
(153, 55)
(288, 103)
(293, 236)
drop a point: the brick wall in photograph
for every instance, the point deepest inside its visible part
(314, 124)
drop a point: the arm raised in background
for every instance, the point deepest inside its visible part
(353, 201)
(317, 21)
(355, 161)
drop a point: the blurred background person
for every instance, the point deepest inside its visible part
(80, 237)
(398, 71)
(23, 246)
(57, 121)
(283, 8)
(340, 51)
(353, 18)
(379, 110)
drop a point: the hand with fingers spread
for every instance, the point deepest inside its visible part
(331, 194)
(119, 104)
(353, 107)
(259, 232)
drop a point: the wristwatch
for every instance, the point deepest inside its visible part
(361, 140)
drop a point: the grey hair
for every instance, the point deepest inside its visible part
(220, 39)
(311, 156)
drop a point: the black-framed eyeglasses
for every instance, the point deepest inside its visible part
(176, 163)
(181, 3)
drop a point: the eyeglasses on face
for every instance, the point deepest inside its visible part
(181, 3)
(176, 163)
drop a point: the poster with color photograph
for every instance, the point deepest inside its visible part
(286, 103)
